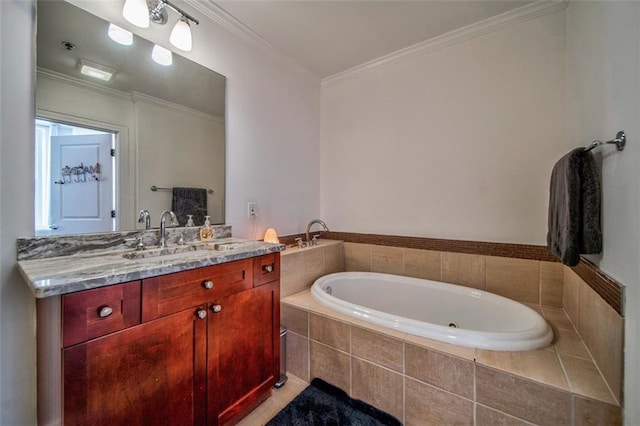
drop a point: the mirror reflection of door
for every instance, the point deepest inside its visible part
(75, 179)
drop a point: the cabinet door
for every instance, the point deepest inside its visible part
(243, 352)
(150, 374)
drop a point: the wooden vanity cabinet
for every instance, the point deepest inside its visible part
(194, 347)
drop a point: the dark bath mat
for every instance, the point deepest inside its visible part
(322, 404)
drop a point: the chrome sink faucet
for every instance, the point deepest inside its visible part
(174, 222)
(313, 222)
(146, 217)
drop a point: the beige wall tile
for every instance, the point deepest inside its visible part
(298, 356)
(568, 342)
(585, 379)
(444, 371)
(596, 413)
(388, 260)
(291, 263)
(486, 416)
(334, 333)
(333, 258)
(426, 405)
(463, 269)
(292, 284)
(330, 365)
(296, 320)
(557, 318)
(357, 257)
(551, 284)
(607, 346)
(377, 386)
(517, 279)
(313, 263)
(570, 294)
(541, 365)
(423, 264)
(534, 402)
(586, 307)
(377, 348)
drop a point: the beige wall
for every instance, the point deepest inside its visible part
(178, 147)
(603, 96)
(458, 143)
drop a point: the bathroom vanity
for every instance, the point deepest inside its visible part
(195, 346)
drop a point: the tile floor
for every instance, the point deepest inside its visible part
(278, 400)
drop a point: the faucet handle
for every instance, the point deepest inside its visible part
(139, 242)
(314, 240)
(299, 241)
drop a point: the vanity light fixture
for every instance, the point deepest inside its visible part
(94, 70)
(161, 55)
(136, 12)
(156, 11)
(270, 236)
(120, 35)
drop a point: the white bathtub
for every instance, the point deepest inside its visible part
(449, 313)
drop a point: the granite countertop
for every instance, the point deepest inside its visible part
(66, 274)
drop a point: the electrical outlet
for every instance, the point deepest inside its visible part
(252, 210)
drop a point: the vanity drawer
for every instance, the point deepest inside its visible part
(266, 269)
(171, 293)
(93, 313)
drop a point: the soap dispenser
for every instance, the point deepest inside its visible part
(206, 233)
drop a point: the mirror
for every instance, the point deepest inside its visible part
(165, 125)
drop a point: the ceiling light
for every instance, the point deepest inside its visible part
(181, 35)
(94, 70)
(161, 55)
(136, 12)
(120, 35)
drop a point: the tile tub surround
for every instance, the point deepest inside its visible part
(54, 276)
(299, 268)
(101, 243)
(556, 286)
(427, 382)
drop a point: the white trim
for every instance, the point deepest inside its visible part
(495, 23)
(143, 97)
(240, 30)
(73, 81)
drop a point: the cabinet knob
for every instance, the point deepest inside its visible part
(216, 308)
(267, 268)
(208, 284)
(105, 311)
(202, 314)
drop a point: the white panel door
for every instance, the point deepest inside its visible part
(81, 198)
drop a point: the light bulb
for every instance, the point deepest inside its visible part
(136, 12)
(161, 55)
(181, 35)
(120, 35)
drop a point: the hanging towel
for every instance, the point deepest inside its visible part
(190, 201)
(574, 208)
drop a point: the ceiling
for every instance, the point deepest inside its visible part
(60, 21)
(327, 37)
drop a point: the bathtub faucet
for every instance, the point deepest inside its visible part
(313, 222)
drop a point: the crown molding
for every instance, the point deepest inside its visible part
(495, 23)
(143, 97)
(227, 21)
(74, 81)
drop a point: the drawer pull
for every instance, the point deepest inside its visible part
(216, 308)
(105, 312)
(208, 284)
(202, 314)
(267, 268)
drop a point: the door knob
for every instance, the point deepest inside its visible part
(53, 226)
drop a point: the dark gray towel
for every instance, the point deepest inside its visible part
(190, 201)
(574, 208)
